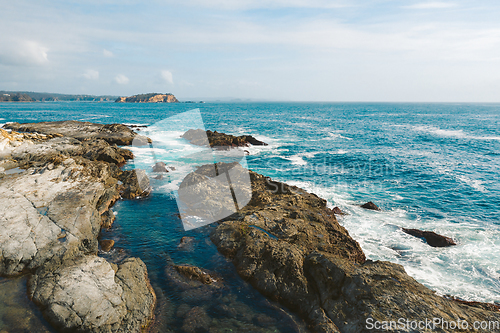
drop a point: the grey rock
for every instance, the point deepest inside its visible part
(88, 295)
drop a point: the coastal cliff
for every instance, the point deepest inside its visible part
(148, 98)
(56, 192)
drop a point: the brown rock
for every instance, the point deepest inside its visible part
(433, 239)
(370, 205)
(338, 211)
(106, 244)
(195, 273)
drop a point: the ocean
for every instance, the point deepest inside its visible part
(434, 167)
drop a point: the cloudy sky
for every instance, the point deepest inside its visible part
(297, 50)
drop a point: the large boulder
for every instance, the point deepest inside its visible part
(88, 294)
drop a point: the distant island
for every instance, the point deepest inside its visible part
(149, 98)
(29, 96)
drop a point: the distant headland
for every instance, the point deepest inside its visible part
(149, 98)
(30, 96)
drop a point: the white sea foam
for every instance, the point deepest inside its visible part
(336, 135)
(474, 183)
(459, 134)
(456, 270)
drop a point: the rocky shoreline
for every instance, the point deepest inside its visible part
(58, 182)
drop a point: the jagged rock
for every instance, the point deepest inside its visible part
(218, 140)
(370, 205)
(88, 294)
(289, 246)
(338, 211)
(433, 239)
(51, 214)
(135, 184)
(106, 244)
(112, 133)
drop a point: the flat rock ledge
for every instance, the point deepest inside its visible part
(56, 192)
(290, 247)
(88, 294)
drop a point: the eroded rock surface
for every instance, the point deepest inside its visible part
(289, 246)
(91, 295)
(112, 133)
(56, 193)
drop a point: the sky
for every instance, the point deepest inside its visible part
(276, 50)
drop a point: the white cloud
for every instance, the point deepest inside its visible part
(91, 74)
(121, 79)
(432, 5)
(167, 76)
(107, 53)
(25, 53)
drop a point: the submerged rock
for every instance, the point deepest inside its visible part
(88, 294)
(370, 205)
(433, 239)
(106, 244)
(195, 273)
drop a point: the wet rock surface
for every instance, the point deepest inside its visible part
(290, 247)
(218, 140)
(433, 239)
(56, 194)
(370, 205)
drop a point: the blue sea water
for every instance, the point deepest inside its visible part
(428, 166)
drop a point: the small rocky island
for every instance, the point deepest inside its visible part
(148, 98)
(57, 184)
(219, 140)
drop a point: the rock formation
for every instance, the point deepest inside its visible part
(112, 133)
(370, 205)
(290, 247)
(220, 140)
(54, 205)
(148, 98)
(433, 239)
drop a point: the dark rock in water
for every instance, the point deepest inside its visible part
(113, 133)
(160, 167)
(195, 273)
(106, 244)
(218, 140)
(135, 184)
(370, 205)
(433, 239)
(325, 279)
(186, 243)
(196, 320)
(158, 177)
(338, 211)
